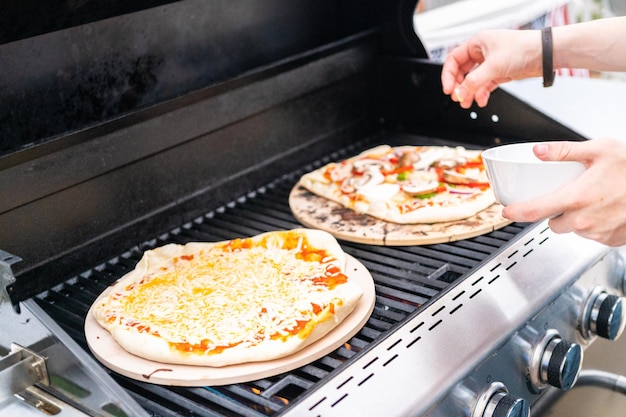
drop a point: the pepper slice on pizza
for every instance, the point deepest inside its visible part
(230, 302)
(407, 184)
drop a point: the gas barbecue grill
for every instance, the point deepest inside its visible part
(192, 121)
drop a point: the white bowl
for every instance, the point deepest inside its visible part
(516, 174)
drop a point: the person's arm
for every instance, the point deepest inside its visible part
(596, 45)
(476, 68)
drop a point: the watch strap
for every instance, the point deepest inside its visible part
(547, 56)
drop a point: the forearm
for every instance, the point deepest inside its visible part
(596, 45)
(489, 58)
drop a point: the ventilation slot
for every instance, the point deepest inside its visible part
(455, 309)
(342, 397)
(366, 378)
(391, 359)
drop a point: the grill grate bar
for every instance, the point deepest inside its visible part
(397, 300)
(410, 273)
(246, 394)
(311, 373)
(155, 407)
(185, 401)
(262, 220)
(230, 229)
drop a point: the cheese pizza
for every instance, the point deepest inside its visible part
(231, 302)
(407, 184)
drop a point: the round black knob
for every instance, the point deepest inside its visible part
(561, 363)
(606, 316)
(503, 404)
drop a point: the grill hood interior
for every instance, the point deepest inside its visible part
(121, 124)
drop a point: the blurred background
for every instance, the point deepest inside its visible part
(443, 24)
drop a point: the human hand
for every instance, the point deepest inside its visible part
(594, 205)
(476, 68)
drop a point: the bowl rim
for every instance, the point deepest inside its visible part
(489, 154)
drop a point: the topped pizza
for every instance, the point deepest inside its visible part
(230, 302)
(407, 184)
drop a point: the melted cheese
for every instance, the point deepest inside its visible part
(380, 192)
(233, 294)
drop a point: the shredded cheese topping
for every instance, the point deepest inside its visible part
(238, 293)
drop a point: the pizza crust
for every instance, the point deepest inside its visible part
(159, 347)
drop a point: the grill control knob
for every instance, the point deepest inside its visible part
(496, 401)
(603, 316)
(560, 363)
(556, 362)
(506, 405)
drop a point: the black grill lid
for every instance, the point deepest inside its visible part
(95, 61)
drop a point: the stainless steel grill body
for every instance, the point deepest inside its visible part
(172, 122)
(481, 331)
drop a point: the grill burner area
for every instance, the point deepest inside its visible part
(405, 279)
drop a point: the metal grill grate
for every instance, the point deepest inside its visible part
(405, 278)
